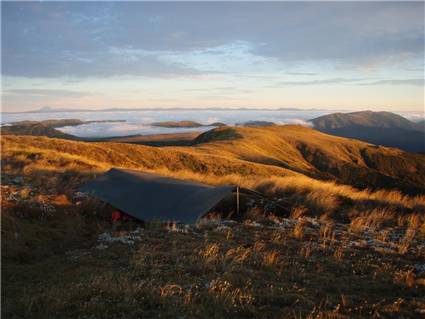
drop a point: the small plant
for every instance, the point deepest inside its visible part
(211, 253)
(339, 254)
(270, 258)
(239, 254)
(306, 251)
(207, 223)
(407, 278)
(171, 290)
(326, 232)
(298, 212)
(299, 231)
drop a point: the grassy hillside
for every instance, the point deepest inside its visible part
(364, 118)
(61, 259)
(319, 155)
(284, 162)
(380, 128)
(266, 151)
(35, 129)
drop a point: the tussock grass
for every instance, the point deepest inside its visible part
(376, 218)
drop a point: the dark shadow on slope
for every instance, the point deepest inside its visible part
(408, 140)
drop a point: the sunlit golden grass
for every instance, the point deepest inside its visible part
(326, 193)
(261, 152)
(42, 159)
(376, 218)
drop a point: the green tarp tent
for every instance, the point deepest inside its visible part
(147, 196)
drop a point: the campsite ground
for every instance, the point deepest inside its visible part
(345, 252)
(64, 261)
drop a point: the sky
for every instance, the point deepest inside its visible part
(333, 55)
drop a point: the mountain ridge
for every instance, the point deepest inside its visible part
(381, 128)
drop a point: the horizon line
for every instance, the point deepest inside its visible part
(181, 108)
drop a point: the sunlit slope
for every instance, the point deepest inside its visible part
(316, 154)
(265, 151)
(51, 153)
(35, 129)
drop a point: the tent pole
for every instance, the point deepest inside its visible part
(237, 199)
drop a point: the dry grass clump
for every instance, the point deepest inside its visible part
(413, 223)
(298, 211)
(227, 294)
(377, 218)
(405, 278)
(339, 253)
(306, 251)
(302, 231)
(299, 231)
(270, 258)
(256, 255)
(239, 254)
(211, 253)
(327, 232)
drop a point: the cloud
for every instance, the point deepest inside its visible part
(301, 73)
(316, 82)
(414, 82)
(46, 93)
(100, 39)
(103, 63)
(356, 81)
(123, 129)
(413, 116)
(351, 34)
(222, 90)
(295, 121)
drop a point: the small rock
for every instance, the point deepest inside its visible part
(80, 195)
(420, 268)
(101, 246)
(222, 228)
(18, 180)
(128, 239)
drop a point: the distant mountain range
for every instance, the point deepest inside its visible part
(116, 109)
(380, 128)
